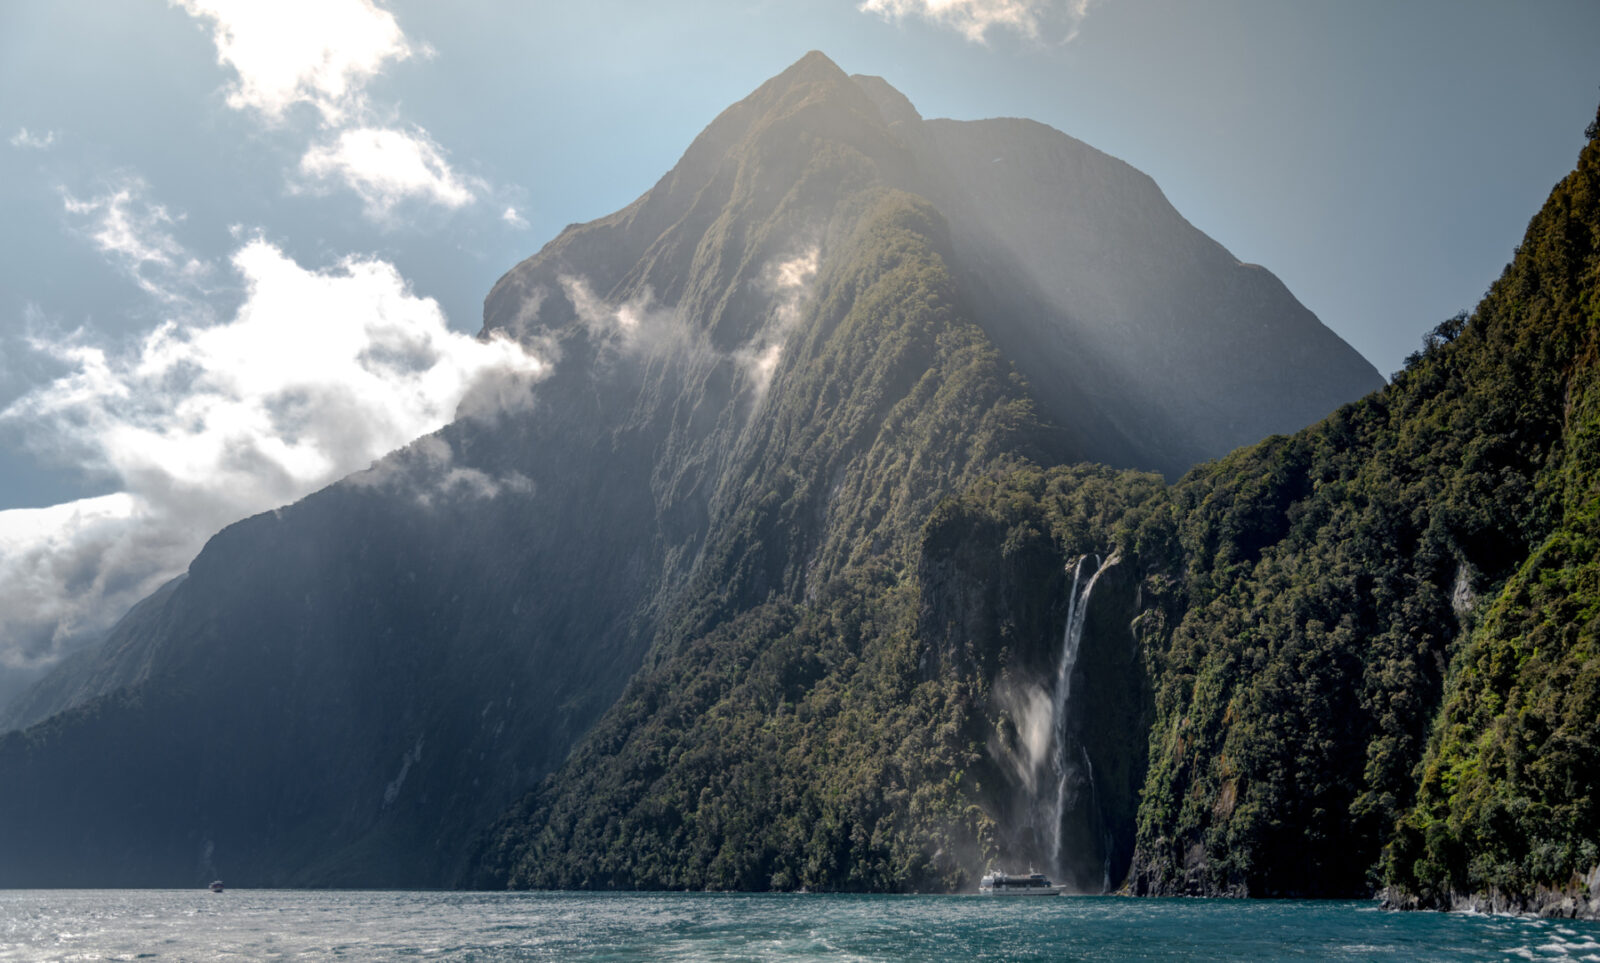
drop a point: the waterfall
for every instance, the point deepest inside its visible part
(1105, 838)
(1071, 639)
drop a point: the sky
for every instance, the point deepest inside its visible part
(245, 245)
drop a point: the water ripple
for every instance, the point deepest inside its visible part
(358, 926)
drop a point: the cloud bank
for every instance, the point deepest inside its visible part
(318, 373)
(1047, 20)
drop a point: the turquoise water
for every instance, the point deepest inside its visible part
(282, 924)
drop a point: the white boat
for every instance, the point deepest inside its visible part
(1006, 884)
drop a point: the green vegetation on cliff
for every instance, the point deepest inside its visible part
(796, 736)
(1432, 541)
(789, 747)
(1364, 654)
(1509, 802)
(839, 743)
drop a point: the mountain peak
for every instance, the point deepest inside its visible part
(815, 69)
(815, 63)
(810, 76)
(1101, 266)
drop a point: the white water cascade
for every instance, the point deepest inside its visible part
(1071, 639)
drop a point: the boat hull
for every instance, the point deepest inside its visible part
(1004, 884)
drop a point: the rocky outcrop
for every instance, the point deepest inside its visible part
(1578, 900)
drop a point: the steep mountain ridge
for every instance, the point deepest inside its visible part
(766, 374)
(1076, 265)
(1358, 656)
(1159, 321)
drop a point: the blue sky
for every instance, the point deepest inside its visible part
(215, 219)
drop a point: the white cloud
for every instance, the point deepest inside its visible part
(318, 373)
(23, 139)
(637, 324)
(640, 326)
(288, 52)
(323, 53)
(386, 167)
(788, 282)
(1035, 19)
(427, 470)
(514, 219)
(759, 362)
(136, 234)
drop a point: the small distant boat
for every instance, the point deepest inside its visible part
(1007, 884)
(216, 886)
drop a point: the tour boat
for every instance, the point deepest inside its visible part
(216, 886)
(1005, 884)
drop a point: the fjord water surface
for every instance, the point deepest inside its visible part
(284, 924)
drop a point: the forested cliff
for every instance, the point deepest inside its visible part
(1356, 657)
(856, 541)
(1384, 674)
